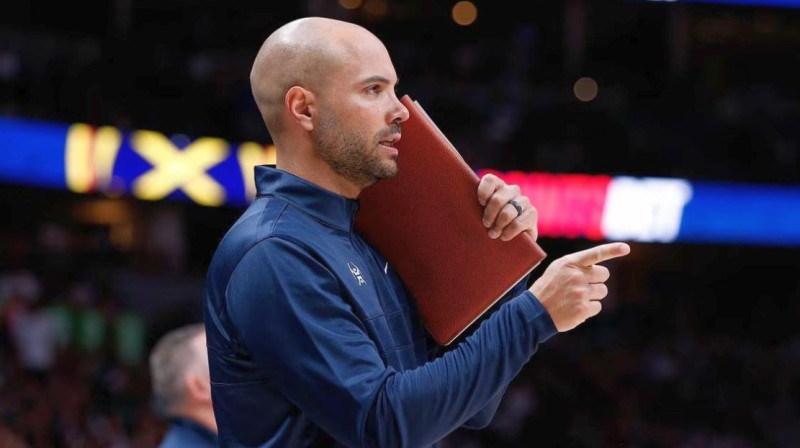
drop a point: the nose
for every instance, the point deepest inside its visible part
(400, 111)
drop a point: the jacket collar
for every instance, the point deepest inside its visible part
(187, 425)
(323, 205)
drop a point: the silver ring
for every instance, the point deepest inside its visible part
(516, 205)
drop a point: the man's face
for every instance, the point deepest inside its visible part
(356, 153)
(359, 117)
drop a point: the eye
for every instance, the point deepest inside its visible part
(374, 88)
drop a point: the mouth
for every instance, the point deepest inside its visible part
(389, 142)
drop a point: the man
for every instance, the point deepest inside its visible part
(182, 389)
(301, 353)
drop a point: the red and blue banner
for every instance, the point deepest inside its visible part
(211, 172)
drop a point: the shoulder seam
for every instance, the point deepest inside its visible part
(300, 210)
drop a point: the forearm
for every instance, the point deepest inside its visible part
(420, 406)
(485, 415)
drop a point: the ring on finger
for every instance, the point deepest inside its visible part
(516, 205)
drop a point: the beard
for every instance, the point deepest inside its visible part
(350, 156)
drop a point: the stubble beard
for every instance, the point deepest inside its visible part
(350, 156)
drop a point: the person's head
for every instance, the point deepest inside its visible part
(180, 377)
(326, 91)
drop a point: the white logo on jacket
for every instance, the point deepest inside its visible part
(356, 273)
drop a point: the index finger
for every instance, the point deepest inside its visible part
(487, 186)
(597, 254)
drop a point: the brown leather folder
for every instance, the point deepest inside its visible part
(427, 223)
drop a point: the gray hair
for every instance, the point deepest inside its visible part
(171, 360)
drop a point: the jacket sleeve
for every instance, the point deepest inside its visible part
(483, 417)
(289, 311)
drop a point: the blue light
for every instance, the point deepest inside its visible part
(32, 152)
(737, 213)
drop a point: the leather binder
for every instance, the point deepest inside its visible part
(427, 223)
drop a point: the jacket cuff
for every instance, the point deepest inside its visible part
(537, 316)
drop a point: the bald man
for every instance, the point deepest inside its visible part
(303, 353)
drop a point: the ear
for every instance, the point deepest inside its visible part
(301, 106)
(199, 388)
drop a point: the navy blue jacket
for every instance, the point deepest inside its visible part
(185, 433)
(313, 340)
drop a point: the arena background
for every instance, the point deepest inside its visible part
(670, 125)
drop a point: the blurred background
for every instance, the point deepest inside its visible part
(128, 135)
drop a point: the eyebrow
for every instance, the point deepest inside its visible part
(381, 79)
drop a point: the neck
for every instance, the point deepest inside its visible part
(203, 415)
(319, 173)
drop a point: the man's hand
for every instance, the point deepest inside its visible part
(500, 216)
(572, 287)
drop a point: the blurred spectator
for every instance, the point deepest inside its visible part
(35, 336)
(31, 328)
(182, 389)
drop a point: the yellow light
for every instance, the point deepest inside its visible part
(249, 155)
(350, 4)
(78, 158)
(585, 89)
(174, 169)
(106, 146)
(102, 211)
(464, 13)
(117, 215)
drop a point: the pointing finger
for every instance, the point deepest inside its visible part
(599, 254)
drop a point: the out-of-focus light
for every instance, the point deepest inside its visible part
(350, 4)
(464, 13)
(90, 155)
(122, 236)
(645, 209)
(376, 9)
(79, 177)
(103, 212)
(185, 169)
(585, 89)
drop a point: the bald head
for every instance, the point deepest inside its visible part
(305, 53)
